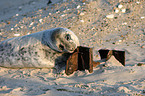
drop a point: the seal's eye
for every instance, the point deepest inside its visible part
(61, 47)
(67, 37)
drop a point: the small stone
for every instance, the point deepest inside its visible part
(125, 23)
(83, 1)
(82, 21)
(28, 33)
(78, 6)
(20, 8)
(62, 15)
(110, 16)
(120, 6)
(17, 14)
(16, 34)
(142, 17)
(137, 2)
(31, 23)
(8, 22)
(119, 40)
(12, 28)
(21, 26)
(143, 46)
(33, 27)
(116, 10)
(123, 10)
(121, 36)
(82, 13)
(40, 20)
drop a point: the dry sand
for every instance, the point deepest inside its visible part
(98, 24)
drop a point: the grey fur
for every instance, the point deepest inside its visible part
(47, 49)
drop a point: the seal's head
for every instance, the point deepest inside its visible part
(63, 40)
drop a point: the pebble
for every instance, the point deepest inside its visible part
(82, 13)
(17, 14)
(137, 2)
(40, 20)
(82, 21)
(120, 6)
(12, 28)
(31, 23)
(62, 15)
(21, 26)
(116, 10)
(143, 46)
(119, 40)
(123, 10)
(78, 6)
(142, 17)
(8, 22)
(33, 27)
(16, 34)
(110, 16)
(125, 23)
(20, 7)
(28, 33)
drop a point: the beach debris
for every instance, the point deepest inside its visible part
(110, 16)
(107, 54)
(81, 59)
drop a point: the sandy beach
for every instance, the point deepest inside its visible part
(99, 24)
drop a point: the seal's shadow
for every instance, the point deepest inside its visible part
(60, 62)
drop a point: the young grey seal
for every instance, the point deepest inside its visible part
(45, 49)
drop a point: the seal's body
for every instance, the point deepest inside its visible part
(45, 49)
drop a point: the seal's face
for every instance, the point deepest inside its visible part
(65, 40)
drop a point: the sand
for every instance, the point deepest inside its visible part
(111, 24)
